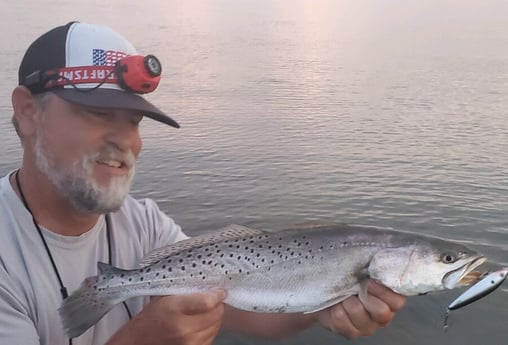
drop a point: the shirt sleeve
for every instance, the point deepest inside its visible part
(16, 326)
(163, 228)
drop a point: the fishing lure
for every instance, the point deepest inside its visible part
(490, 282)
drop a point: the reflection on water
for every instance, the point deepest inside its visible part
(387, 113)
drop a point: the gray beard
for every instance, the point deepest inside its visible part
(77, 185)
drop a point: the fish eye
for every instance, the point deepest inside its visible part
(448, 258)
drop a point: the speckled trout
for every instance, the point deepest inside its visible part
(301, 269)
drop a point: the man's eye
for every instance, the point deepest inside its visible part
(98, 112)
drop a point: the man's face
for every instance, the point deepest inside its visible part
(89, 154)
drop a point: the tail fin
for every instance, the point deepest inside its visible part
(88, 304)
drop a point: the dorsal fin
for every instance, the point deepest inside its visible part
(106, 269)
(229, 232)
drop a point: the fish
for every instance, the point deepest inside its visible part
(302, 269)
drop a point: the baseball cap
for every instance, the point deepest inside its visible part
(77, 62)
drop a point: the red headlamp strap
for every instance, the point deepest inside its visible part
(135, 73)
(81, 75)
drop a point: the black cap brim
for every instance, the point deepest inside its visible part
(109, 98)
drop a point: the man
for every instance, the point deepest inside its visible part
(76, 110)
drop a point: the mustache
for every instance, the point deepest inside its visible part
(111, 152)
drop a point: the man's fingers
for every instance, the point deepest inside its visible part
(378, 310)
(394, 300)
(336, 320)
(353, 318)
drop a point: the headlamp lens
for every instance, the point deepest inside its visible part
(153, 65)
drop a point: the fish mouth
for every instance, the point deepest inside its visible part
(464, 275)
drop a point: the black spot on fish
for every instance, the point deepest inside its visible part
(183, 268)
(141, 279)
(148, 270)
(194, 264)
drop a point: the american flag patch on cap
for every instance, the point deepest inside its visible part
(103, 57)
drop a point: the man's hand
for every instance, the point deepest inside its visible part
(353, 319)
(188, 319)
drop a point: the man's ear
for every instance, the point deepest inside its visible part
(25, 107)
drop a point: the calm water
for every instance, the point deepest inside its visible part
(380, 112)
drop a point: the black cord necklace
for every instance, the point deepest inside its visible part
(63, 288)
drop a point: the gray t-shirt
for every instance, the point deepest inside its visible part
(29, 289)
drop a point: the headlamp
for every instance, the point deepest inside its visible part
(137, 73)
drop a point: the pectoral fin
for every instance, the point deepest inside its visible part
(328, 303)
(359, 289)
